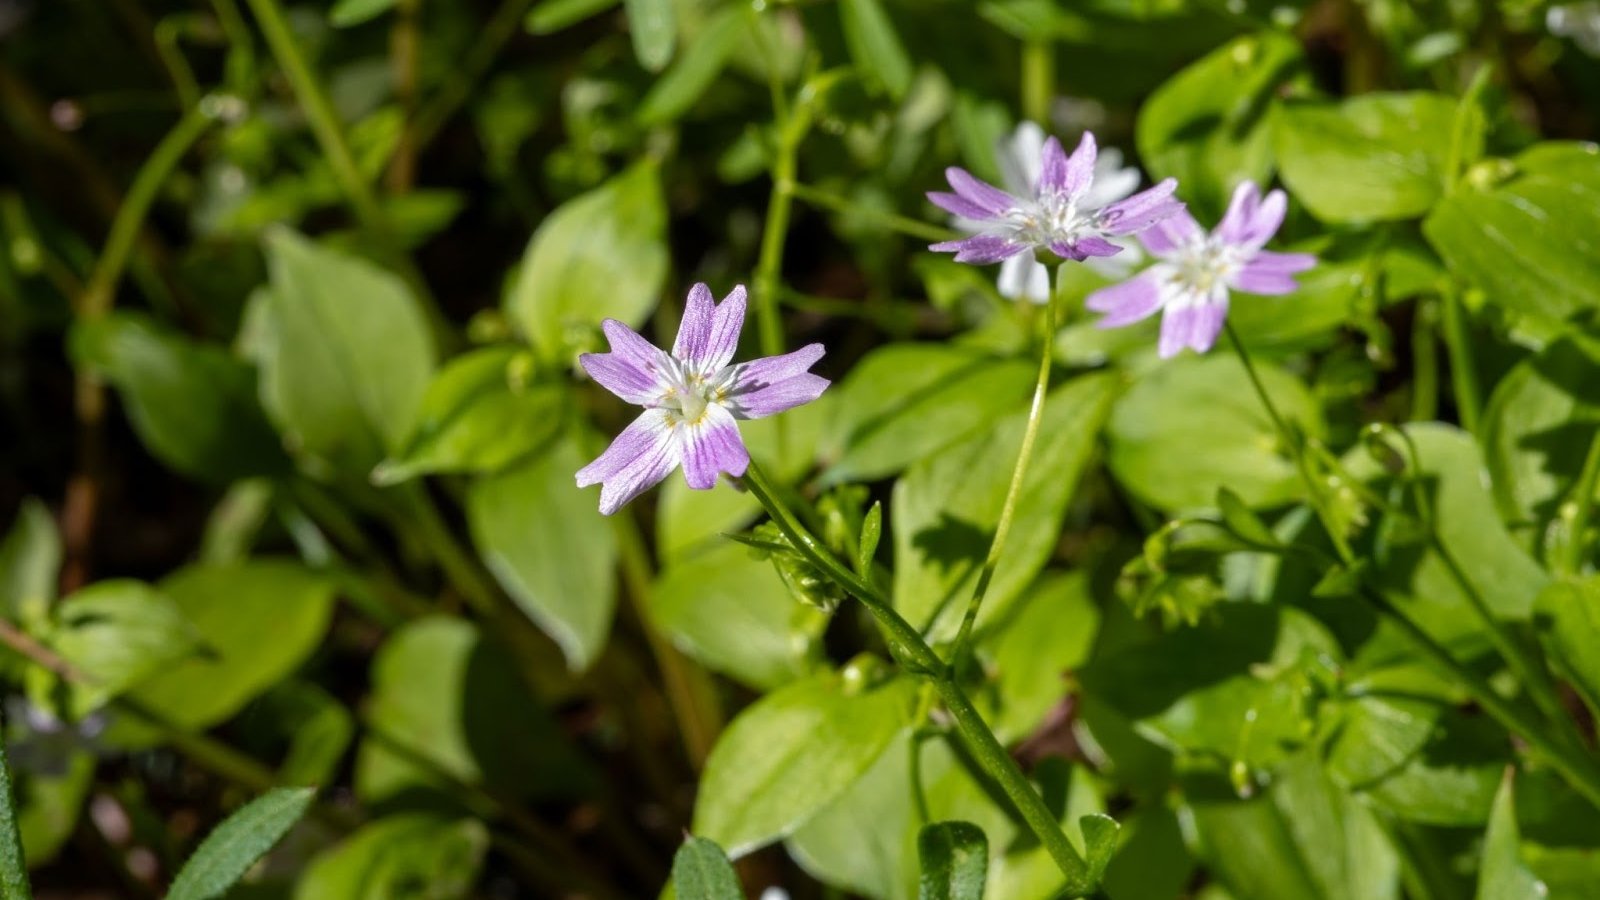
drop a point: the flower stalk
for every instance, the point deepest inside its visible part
(909, 648)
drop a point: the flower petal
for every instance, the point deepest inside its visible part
(1052, 169)
(986, 196)
(1021, 157)
(1080, 167)
(640, 457)
(1193, 324)
(709, 332)
(1271, 273)
(1250, 220)
(981, 249)
(762, 387)
(1207, 324)
(959, 205)
(1112, 180)
(778, 397)
(630, 348)
(1130, 301)
(622, 376)
(1168, 235)
(1023, 277)
(712, 446)
(1142, 210)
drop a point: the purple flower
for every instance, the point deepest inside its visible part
(1197, 270)
(692, 399)
(1061, 216)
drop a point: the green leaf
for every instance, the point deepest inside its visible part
(553, 15)
(549, 547)
(955, 861)
(1536, 430)
(874, 46)
(1386, 720)
(701, 871)
(13, 866)
(1208, 125)
(30, 557)
(50, 793)
(904, 402)
(652, 23)
(319, 729)
(1370, 158)
(258, 621)
(1051, 635)
(1571, 614)
(600, 255)
(1452, 781)
(119, 633)
(729, 610)
(346, 13)
(1502, 875)
(405, 857)
(244, 837)
(1207, 407)
(871, 534)
(438, 715)
(1525, 244)
(346, 356)
(193, 405)
(696, 69)
(791, 753)
(945, 509)
(476, 418)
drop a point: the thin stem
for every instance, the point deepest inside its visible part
(769, 264)
(1038, 80)
(908, 647)
(13, 866)
(1425, 357)
(1463, 370)
(404, 48)
(1019, 474)
(1571, 560)
(688, 688)
(904, 225)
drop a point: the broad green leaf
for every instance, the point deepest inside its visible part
(1152, 860)
(730, 610)
(904, 402)
(955, 861)
(790, 754)
(675, 92)
(13, 865)
(944, 510)
(1502, 875)
(653, 25)
(193, 405)
(549, 547)
(874, 46)
(1208, 125)
(50, 799)
(1501, 572)
(1526, 244)
(1304, 838)
(600, 255)
(475, 417)
(1386, 719)
(233, 847)
(414, 856)
(1370, 158)
(553, 15)
(346, 356)
(30, 558)
(119, 633)
(701, 871)
(1570, 611)
(1536, 429)
(1452, 781)
(259, 621)
(449, 706)
(346, 13)
(1050, 636)
(1194, 425)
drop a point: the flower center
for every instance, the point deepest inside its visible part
(689, 397)
(1206, 264)
(1052, 217)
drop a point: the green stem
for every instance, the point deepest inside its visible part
(1463, 370)
(908, 647)
(902, 224)
(1571, 560)
(1038, 80)
(1019, 474)
(769, 264)
(1425, 357)
(13, 866)
(689, 690)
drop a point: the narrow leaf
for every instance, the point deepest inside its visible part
(651, 22)
(871, 533)
(955, 861)
(1502, 874)
(354, 12)
(13, 868)
(695, 70)
(874, 46)
(701, 871)
(229, 851)
(554, 15)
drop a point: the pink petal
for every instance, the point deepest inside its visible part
(1271, 273)
(1251, 221)
(980, 249)
(958, 205)
(984, 195)
(1142, 210)
(1128, 302)
(640, 457)
(1080, 168)
(712, 446)
(1166, 236)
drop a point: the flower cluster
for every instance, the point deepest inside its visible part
(1080, 207)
